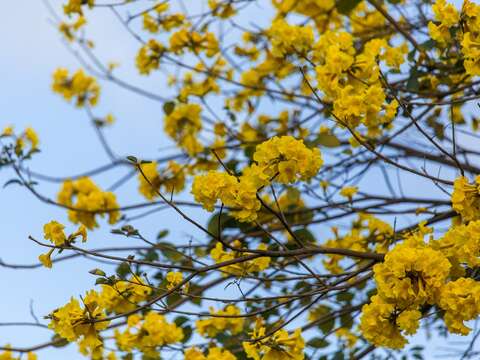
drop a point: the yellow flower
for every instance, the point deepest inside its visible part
(212, 326)
(287, 159)
(149, 56)
(380, 323)
(32, 137)
(461, 301)
(349, 192)
(80, 86)
(466, 198)
(53, 231)
(411, 274)
(279, 346)
(173, 278)
(289, 39)
(71, 321)
(46, 260)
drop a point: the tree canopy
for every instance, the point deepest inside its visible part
(330, 148)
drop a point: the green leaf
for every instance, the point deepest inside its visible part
(327, 140)
(346, 321)
(132, 159)
(168, 107)
(98, 272)
(327, 326)
(305, 236)
(162, 234)
(12, 181)
(345, 296)
(58, 341)
(226, 222)
(169, 251)
(318, 343)
(346, 6)
(412, 83)
(101, 281)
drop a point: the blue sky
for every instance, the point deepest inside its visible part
(31, 50)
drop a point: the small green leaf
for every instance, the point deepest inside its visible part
(318, 343)
(327, 140)
(162, 234)
(168, 107)
(98, 272)
(346, 6)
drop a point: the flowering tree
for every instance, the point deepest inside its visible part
(305, 141)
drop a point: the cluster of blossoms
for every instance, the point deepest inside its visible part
(415, 274)
(151, 181)
(83, 324)
(75, 322)
(366, 231)
(124, 295)
(466, 198)
(85, 200)
(28, 136)
(214, 353)
(281, 345)
(79, 86)
(8, 355)
(147, 333)
(466, 27)
(53, 231)
(75, 6)
(183, 125)
(229, 319)
(282, 159)
(242, 268)
(156, 19)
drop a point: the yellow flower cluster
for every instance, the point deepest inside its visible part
(446, 16)
(412, 275)
(172, 179)
(323, 13)
(196, 42)
(80, 86)
(243, 268)
(289, 39)
(148, 333)
(69, 29)
(352, 80)
(183, 125)
(461, 301)
(168, 22)
(233, 322)
(221, 9)
(239, 195)
(124, 295)
(75, 6)
(466, 198)
(53, 231)
(461, 245)
(283, 159)
(382, 324)
(72, 322)
(448, 20)
(84, 194)
(279, 346)
(214, 353)
(287, 160)
(173, 279)
(8, 355)
(365, 231)
(148, 57)
(27, 136)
